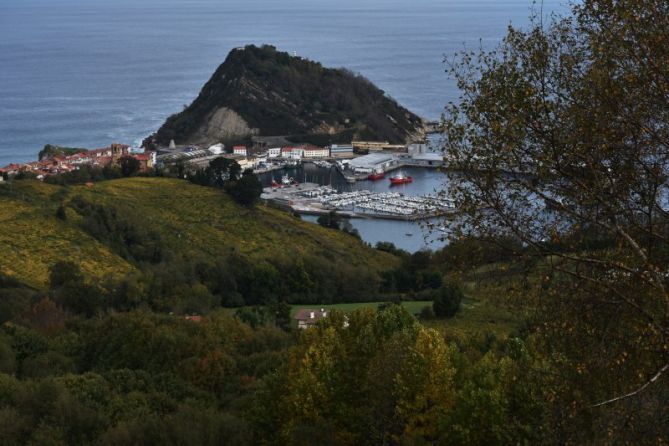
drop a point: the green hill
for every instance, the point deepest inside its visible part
(186, 220)
(259, 91)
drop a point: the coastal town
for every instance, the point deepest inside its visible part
(50, 165)
(359, 160)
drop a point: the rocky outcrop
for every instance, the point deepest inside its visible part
(224, 124)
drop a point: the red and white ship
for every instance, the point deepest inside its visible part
(378, 175)
(400, 178)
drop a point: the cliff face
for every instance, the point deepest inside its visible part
(259, 91)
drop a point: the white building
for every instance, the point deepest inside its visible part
(240, 150)
(316, 152)
(293, 153)
(274, 152)
(338, 150)
(217, 149)
(307, 317)
(250, 162)
(373, 162)
(417, 149)
(428, 159)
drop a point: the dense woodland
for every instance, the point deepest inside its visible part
(85, 365)
(561, 137)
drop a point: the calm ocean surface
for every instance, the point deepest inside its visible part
(89, 72)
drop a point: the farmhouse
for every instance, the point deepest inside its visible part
(307, 317)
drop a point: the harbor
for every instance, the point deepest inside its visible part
(315, 199)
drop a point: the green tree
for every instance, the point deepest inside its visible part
(60, 213)
(80, 298)
(247, 190)
(424, 387)
(447, 300)
(330, 220)
(7, 358)
(576, 110)
(71, 291)
(279, 311)
(64, 271)
(129, 165)
(222, 170)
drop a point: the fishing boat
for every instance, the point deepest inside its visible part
(288, 181)
(400, 178)
(378, 175)
(285, 182)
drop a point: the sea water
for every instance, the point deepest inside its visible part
(86, 73)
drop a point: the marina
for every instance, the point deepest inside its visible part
(314, 199)
(371, 229)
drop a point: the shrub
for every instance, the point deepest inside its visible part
(64, 271)
(129, 166)
(247, 190)
(447, 300)
(426, 313)
(60, 213)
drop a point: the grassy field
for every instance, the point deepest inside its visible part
(190, 219)
(479, 315)
(413, 307)
(487, 307)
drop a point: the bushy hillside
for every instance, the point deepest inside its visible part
(262, 91)
(33, 239)
(118, 226)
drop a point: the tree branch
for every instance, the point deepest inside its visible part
(637, 391)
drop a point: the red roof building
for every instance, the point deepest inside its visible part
(240, 150)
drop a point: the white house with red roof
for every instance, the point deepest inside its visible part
(12, 169)
(240, 150)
